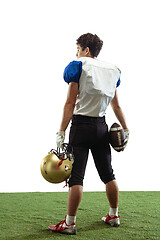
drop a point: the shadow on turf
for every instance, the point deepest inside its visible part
(48, 234)
(94, 226)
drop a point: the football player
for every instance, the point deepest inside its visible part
(92, 86)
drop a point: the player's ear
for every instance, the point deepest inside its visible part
(87, 51)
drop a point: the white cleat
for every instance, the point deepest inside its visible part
(112, 221)
(62, 227)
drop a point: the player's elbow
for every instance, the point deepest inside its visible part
(69, 106)
(115, 107)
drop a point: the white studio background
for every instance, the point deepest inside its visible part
(38, 40)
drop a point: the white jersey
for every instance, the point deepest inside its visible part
(97, 84)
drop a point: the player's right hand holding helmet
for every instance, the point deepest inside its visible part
(60, 139)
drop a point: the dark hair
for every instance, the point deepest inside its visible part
(93, 42)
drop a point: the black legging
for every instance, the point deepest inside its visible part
(90, 133)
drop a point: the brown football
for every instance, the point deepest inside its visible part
(117, 137)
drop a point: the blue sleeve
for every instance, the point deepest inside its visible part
(119, 80)
(118, 83)
(72, 72)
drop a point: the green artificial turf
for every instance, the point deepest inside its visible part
(27, 216)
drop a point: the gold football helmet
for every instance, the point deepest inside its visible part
(56, 167)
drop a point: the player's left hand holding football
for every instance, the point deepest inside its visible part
(126, 136)
(60, 139)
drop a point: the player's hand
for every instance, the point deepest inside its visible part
(60, 139)
(126, 137)
(126, 134)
